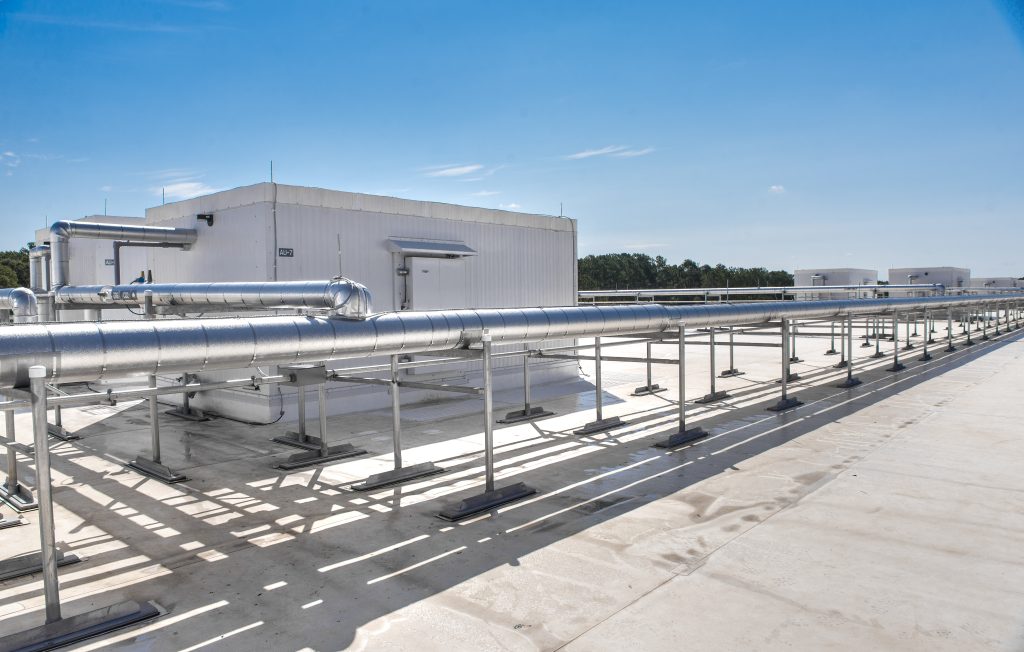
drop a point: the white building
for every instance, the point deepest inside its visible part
(951, 277)
(412, 255)
(836, 276)
(996, 282)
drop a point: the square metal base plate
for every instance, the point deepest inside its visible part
(485, 502)
(599, 426)
(785, 404)
(730, 373)
(522, 415)
(645, 390)
(398, 476)
(291, 438)
(681, 438)
(31, 563)
(60, 432)
(312, 458)
(711, 398)
(899, 366)
(849, 382)
(77, 628)
(20, 498)
(155, 470)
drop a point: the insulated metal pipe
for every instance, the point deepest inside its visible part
(22, 303)
(343, 296)
(94, 351)
(39, 268)
(936, 288)
(61, 232)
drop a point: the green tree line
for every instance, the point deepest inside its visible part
(636, 271)
(14, 268)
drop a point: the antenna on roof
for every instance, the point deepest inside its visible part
(163, 195)
(560, 209)
(104, 205)
(271, 170)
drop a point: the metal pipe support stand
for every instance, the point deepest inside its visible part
(849, 382)
(188, 414)
(792, 376)
(19, 498)
(730, 373)
(298, 440)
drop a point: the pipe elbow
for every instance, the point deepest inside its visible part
(23, 304)
(348, 299)
(61, 229)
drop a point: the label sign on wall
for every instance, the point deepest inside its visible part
(285, 252)
(109, 262)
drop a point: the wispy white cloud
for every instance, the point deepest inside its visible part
(9, 159)
(631, 153)
(777, 189)
(106, 188)
(603, 151)
(457, 170)
(510, 207)
(208, 5)
(67, 21)
(486, 193)
(183, 189)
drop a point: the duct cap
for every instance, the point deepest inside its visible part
(348, 299)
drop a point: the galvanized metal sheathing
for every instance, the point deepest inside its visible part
(93, 351)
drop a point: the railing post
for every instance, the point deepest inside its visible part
(785, 402)
(896, 364)
(47, 536)
(850, 381)
(682, 435)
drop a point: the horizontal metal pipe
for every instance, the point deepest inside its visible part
(937, 288)
(61, 232)
(22, 303)
(92, 351)
(340, 295)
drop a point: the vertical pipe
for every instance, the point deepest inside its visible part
(682, 377)
(489, 412)
(832, 336)
(396, 413)
(732, 358)
(526, 377)
(321, 398)
(711, 359)
(785, 357)
(649, 379)
(302, 413)
(849, 349)
(48, 542)
(599, 401)
(154, 422)
(925, 357)
(949, 330)
(12, 460)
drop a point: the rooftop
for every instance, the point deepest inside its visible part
(888, 516)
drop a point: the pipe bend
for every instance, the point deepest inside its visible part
(22, 302)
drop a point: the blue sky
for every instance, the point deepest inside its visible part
(783, 134)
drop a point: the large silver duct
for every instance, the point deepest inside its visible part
(22, 303)
(342, 296)
(39, 268)
(62, 231)
(93, 351)
(936, 288)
